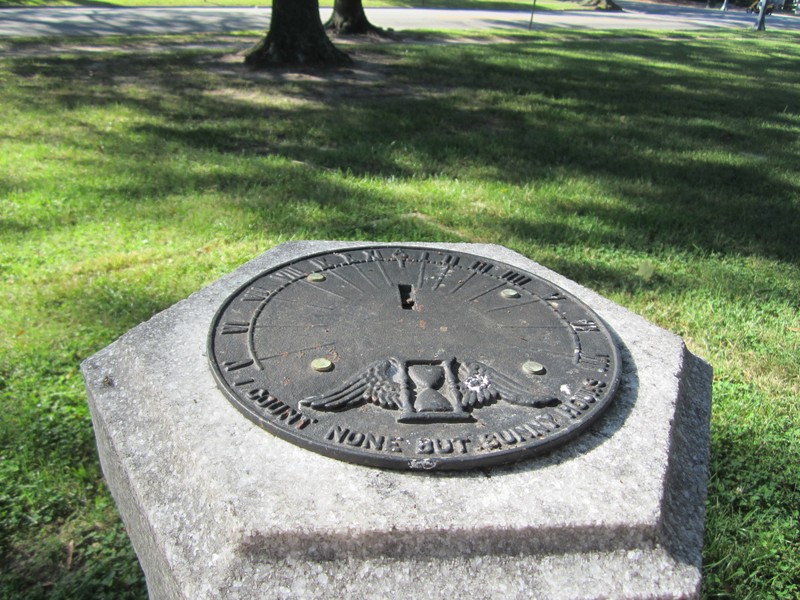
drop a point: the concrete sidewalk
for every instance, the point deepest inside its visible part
(77, 21)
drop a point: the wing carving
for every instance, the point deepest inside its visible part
(383, 382)
(481, 385)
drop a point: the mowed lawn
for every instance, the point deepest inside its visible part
(662, 171)
(451, 4)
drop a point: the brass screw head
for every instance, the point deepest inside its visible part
(533, 368)
(321, 364)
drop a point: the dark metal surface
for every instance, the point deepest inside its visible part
(413, 358)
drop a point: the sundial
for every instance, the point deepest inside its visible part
(413, 358)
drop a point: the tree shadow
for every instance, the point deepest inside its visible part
(473, 5)
(658, 151)
(48, 3)
(624, 135)
(94, 3)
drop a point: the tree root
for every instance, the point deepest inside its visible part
(281, 51)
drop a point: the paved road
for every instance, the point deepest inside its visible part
(112, 21)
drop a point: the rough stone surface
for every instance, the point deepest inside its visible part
(218, 508)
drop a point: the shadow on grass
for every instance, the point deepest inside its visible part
(46, 3)
(55, 474)
(474, 5)
(602, 144)
(677, 160)
(626, 144)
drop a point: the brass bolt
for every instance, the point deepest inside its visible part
(321, 364)
(533, 368)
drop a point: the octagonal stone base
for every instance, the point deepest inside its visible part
(218, 508)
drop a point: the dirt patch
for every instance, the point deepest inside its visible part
(201, 59)
(216, 66)
(144, 46)
(223, 43)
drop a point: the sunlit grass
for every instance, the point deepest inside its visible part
(660, 172)
(449, 4)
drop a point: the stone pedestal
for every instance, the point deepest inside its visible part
(218, 508)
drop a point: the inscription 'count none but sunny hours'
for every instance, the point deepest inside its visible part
(413, 358)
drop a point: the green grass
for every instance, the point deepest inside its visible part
(452, 4)
(662, 172)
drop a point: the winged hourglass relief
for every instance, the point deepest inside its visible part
(428, 391)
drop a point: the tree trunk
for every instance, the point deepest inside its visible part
(296, 36)
(349, 18)
(761, 22)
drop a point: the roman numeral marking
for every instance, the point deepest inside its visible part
(320, 263)
(232, 365)
(232, 327)
(372, 255)
(348, 260)
(481, 267)
(288, 274)
(450, 260)
(401, 258)
(583, 325)
(256, 294)
(448, 263)
(516, 278)
(597, 362)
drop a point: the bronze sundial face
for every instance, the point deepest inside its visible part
(413, 358)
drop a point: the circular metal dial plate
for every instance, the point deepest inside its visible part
(413, 358)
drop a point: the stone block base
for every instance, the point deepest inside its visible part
(218, 508)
